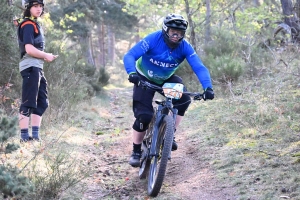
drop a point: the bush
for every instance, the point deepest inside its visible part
(12, 183)
(229, 56)
(100, 80)
(225, 69)
(189, 78)
(55, 175)
(10, 83)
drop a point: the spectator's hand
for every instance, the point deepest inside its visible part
(134, 78)
(49, 57)
(208, 94)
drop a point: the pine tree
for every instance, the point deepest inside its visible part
(12, 183)
(9, 56)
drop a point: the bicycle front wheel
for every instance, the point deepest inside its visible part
(159, 162)
(145, 163)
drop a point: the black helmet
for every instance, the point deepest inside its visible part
(174, 21)
(27, 4)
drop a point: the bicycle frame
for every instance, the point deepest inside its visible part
(167, 104)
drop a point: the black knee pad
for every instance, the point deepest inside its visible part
(26, 111)
(40, 110)
(142, 122)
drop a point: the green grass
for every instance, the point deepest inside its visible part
(255, 135)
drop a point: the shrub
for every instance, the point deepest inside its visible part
(12, 183)
(225, 69)
(189, 78)
(223, 58)
(100, 80)
(55, 174)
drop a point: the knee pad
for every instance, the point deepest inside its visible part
(40, 109)
(26, 111)
(142, 122)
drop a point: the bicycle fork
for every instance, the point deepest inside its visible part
(153, 151)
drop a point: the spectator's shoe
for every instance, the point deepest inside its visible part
(25, 140)
(174, 145)
(134, 160)
(35, 139)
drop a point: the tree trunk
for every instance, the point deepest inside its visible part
(287, 10)
(111, 45)
(191, 25)
(297, 8)
(207, 22)
(256, 3)
(290, 18)
(101, 44)
(86, 48)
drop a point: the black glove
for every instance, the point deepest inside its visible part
(208, 94)
(134, 78)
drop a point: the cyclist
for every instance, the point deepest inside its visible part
(34, 86)
(155, 59)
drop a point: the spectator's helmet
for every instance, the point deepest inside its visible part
(27, 4)
(174, 21)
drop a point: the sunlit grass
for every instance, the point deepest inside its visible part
(253, 137)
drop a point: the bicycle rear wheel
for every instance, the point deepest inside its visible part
(159, 162)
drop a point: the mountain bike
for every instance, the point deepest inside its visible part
(157, 142)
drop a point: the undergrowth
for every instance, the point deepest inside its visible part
(253, 127)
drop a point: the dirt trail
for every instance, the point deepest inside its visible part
(113, 178)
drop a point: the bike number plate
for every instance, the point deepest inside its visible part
(173, 90)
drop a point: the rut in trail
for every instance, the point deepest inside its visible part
(187, 177)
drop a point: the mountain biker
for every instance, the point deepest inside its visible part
(155, 59)
(34, 85)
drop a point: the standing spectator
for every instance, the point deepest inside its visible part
(34, 86)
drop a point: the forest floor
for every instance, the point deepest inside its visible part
(220, 157)
(109, 147)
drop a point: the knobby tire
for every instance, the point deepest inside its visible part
(145, 164)
(158, 164)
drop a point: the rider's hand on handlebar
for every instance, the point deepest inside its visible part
(208, 94)
(198, 97)
(134, 78)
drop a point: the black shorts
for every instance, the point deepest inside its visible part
(34, 88)
(142, 99)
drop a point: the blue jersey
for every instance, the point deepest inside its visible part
(152, 58)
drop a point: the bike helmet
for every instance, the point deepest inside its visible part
(177, 22)
(27, 4)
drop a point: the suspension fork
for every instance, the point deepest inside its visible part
(174, 111)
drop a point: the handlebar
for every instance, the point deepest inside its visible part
(147, 85)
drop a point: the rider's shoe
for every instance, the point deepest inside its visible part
(134, 160)
(174, 145)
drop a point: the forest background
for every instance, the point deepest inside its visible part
(251, 48)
